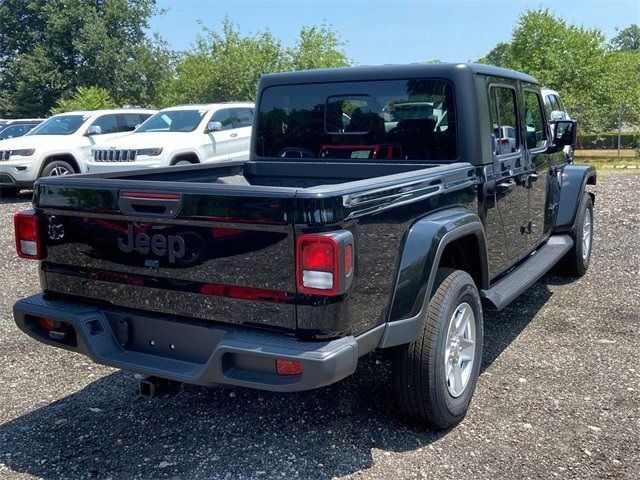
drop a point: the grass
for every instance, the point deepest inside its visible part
(625, 153)
(608, 159)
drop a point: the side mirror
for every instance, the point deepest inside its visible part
(93, 130)
(558, 115)
(213, 127)
(564, 133)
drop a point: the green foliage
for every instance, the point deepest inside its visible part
(606, 141)
(228, 65)
(500, 56)
(627, 39)
(317, 47)
(86, 98)
(48, 48)
(592, 79)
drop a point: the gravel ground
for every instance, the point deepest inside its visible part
(559, 394)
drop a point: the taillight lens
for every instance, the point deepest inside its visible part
(27, 230)
(288, 367)
(46, 323)
(324, 263)
(348, 259)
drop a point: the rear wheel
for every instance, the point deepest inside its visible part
(435, 376)
(576, 261)
(57, 168)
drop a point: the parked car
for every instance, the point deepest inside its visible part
(505, 138)
(180, 136)
(61, 145)
(281, 273)
(18, 128)
(554, 106)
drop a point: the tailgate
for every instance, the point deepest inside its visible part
(217, 252)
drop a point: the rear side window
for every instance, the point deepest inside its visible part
(242, 117)
(413, 119)
(504, 120)
(107, 124)
(224, 117)
(13, 131)
(127, 122)
(534, 120)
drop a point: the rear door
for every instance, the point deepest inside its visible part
(220, 144)
(217, 252)
(242, 122)
(510, 164)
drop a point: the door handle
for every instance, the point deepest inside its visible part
(233, 135)
(504, 187)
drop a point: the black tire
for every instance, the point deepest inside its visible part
(9, 192)
(55, 166)
(575, 263)
(420, 385)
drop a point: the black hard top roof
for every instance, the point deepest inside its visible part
(389, 72)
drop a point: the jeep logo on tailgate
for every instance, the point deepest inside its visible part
(172, 245)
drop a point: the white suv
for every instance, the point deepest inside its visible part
(61, 145)
(180, 136)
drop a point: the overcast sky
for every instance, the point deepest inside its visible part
(391, 31)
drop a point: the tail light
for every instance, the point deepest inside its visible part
(27, 230)
(46, 323)
(324, 263)
(288, 367)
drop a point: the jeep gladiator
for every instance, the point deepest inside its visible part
(377, 213)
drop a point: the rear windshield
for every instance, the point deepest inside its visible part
(390, 119)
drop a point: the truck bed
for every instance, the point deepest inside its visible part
(217, 242)
(291, 174)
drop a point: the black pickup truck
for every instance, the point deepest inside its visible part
(382, 209)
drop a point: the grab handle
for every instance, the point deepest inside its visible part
(150, 204)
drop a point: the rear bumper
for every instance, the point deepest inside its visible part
(185, 350)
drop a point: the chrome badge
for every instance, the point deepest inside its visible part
(55, 229)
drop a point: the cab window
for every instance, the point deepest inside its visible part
(534, 120)
(504, 120)
(224, 117)
(107, 124)
(242, 117)
(129, 121)
(400, 119)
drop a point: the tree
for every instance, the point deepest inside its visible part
(48, 48)
(577, 62)
(627, 39)
(228, 65)
(224, 66)
(500, 55)
(318, 47)
(86, 98)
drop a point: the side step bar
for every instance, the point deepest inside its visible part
(528, 273)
